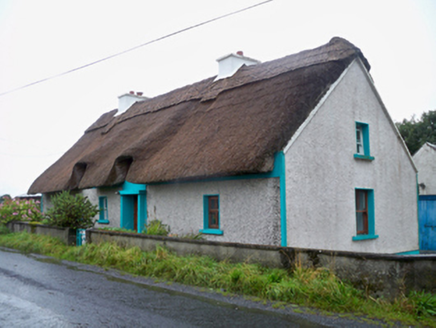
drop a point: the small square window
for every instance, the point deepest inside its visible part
(362, 142)
(103, 211)
(211, 218)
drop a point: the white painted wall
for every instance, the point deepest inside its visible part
(249, 209)
(322, 174)
(425, 161)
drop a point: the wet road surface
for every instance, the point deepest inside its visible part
(37, 291)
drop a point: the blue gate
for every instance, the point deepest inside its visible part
(427, 222)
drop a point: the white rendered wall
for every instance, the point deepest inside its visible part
(322, 174)
(425, 161)
(249, 209)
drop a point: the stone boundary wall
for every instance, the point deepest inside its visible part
(66, 235)
(384, 275)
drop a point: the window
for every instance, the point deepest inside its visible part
(103, 216)
(362, 212)
(211, 213)
(362, 142)
(365, 224)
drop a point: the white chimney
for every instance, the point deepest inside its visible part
(126, 100)
(228, 65)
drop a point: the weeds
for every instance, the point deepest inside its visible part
(156, 228)
(317, 288)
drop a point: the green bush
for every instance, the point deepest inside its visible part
(70, 211)
(4, 229)
(19, 210)
(156, 228)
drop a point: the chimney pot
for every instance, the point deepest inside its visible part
(140, 93)
(132, 92)
(240, 53)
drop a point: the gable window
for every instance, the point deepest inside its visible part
(103, 212)
(365, 223)
(211, 215)
(362, 142)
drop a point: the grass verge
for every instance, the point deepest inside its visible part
(316, 288)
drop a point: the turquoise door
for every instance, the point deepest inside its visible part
(427, 222)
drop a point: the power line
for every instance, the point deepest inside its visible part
(135, 48)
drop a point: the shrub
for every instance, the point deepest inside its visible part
(157, 228)
(70, 211)
(4, 229)
(19, 210)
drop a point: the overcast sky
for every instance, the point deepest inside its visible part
(40, 39)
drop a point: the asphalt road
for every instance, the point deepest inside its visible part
(38, 291)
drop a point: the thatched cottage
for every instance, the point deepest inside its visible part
(298, 152)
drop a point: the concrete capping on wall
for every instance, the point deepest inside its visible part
(384, 275)
(66, 235)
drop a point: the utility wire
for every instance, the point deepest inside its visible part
(135, 48)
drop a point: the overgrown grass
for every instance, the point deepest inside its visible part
(316, 288)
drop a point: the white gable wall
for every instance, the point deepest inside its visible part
(425, 161)
(322, 174)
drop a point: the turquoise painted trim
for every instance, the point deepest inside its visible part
(364, 237)
(416, 252)
(129, 188)
(103, 221)
(212, 231)
(280, 168)
(206, 214)
(142, 212)
(126, 208)
(367, 158)
(371, 216)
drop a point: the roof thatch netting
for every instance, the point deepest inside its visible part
(232, 126)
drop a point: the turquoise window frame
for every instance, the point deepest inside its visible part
(364, 127)
(206, 229)
(103, 210)
(371, 216)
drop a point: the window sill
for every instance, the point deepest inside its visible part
(364, 237)
(103, 221)
(211, 231)
(364, 157)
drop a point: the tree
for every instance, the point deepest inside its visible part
(417, 132)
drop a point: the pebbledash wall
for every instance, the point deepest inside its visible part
(322, 174)
(249, 208)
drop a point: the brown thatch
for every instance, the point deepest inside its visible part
(229, 127)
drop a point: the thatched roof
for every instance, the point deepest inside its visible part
(233, 126)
